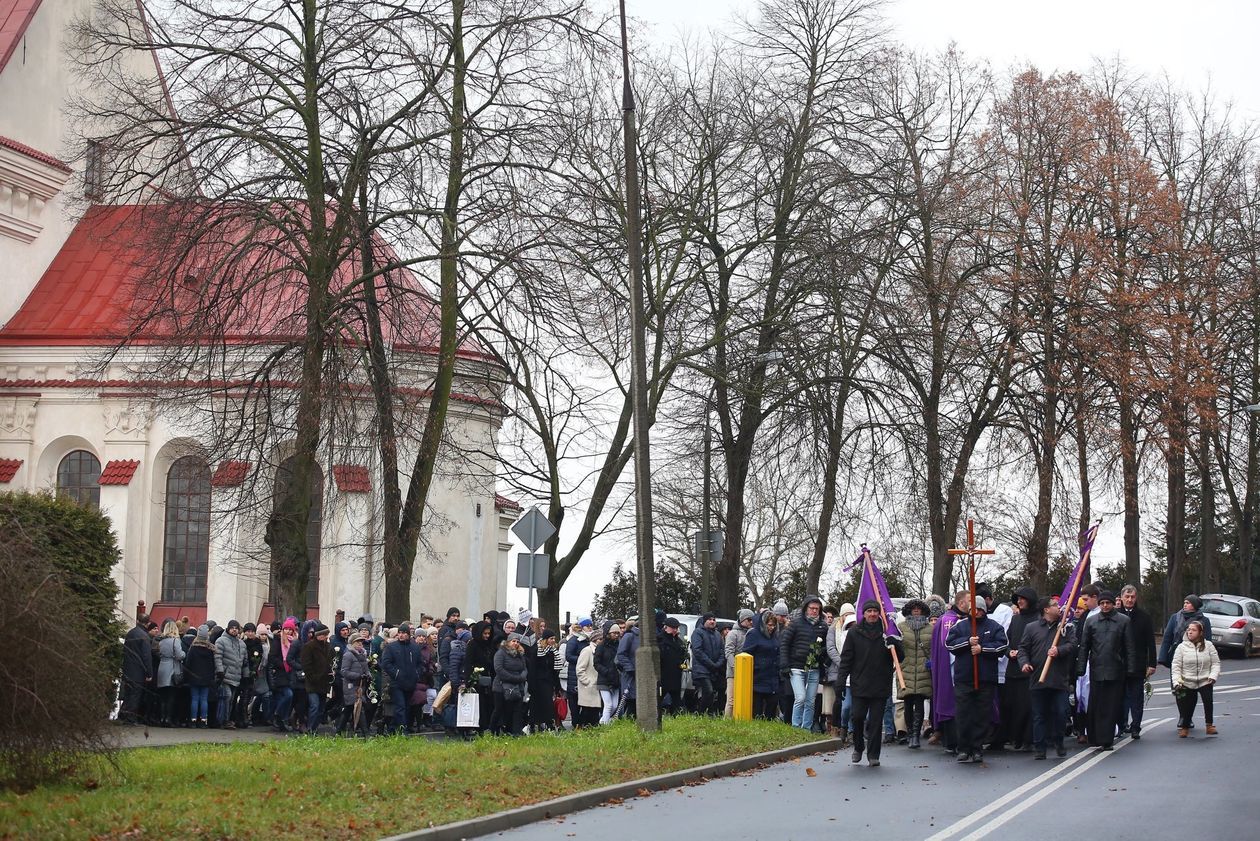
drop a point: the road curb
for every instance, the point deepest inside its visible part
(500, 821)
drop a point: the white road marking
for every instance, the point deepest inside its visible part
(1055, 778)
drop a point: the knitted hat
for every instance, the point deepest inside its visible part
(1195, 601)
(203, 633)
(584, 622)
(451, 611)
(322, 630)
(671, 622)
(232, 623)
(984, 590)
(744, 613)
(249, 626)
(1082, 602)
(936, 607)
(515, 638)
(846, 609)
(290, 624)
(1107, 596)
(264, 631)
(870, 604)
(780, 608)
(404, 628)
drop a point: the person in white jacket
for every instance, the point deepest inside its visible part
(1195, 668)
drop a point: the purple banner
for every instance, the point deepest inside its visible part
(1080, 573)
(873, 588)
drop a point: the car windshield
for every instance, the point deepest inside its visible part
(1222, 608)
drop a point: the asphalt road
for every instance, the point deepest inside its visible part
(1156, 788)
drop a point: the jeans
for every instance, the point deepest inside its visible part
(227, 699)
(399, 697)
(890, 720)
(1134, 704)
(1049, 708)
(804, 688)
(611, 698)
(198, 709)
(283, 698)
(315, 711)
(704, 695)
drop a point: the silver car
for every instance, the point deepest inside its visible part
(1235, 622)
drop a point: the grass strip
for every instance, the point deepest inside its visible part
(322, 787)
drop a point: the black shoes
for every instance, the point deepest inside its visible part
(856, 757)
(873, 763)
(977, 757)
(1041, 754)
(964, 757)
(1060, 751)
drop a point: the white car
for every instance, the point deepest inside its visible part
(1235, 622)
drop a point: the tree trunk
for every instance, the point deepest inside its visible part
(813, 574)
(1039, 541)
(1129, 477)
(1209, 568)
(1175, 529)
(398, 577)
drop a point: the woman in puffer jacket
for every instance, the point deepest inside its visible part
(762, 642)
(608, 680)
(170, 670)
(1195, 668)
(916, 636)
(355, 675)
(511, 674)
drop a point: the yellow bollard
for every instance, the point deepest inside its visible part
(742, 709)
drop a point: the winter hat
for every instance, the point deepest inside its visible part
(501, 617)
(780, 608)
(203, 633)
(264, 631)
(744, 613)
(523, 617)
(981, 606)
(404, 628)
(870, 604)
(547, 635)
(705, 617)
(365, 627)
(232, 623)
(671, 622)
(846, 609)
(1082, 602)
(1025, 593)
(451, 611)
(322, 630)
(1195, 601)
(936, 607)
(584, 622)
(290, 624)
(515, 638)
(984, 590)
(912, 604)
(210, 624)
(249, 626)
(1107, 596)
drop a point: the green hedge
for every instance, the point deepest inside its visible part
(75, 541)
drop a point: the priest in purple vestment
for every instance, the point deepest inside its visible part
(943, 677)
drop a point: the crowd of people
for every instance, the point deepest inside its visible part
(969, 679)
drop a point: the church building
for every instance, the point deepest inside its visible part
(108, 437)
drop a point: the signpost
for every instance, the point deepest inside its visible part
(533, 529)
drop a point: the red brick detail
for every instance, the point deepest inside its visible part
(35, 154)
(118, 472)
(8, 469)
(502, 503)
(352, 478)
(230, 474)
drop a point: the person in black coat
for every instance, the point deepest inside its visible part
(137, 670)
(400, 661)
(976, 660)
(1107, 649)
(1049, 697)
(866, 666)
(673, 658)
(1142, 629)
(1014, 700)
(199, 676)
(480, 655)
(541, 661)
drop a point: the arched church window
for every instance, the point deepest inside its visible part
(314, 526)
(186, 539)
(78, 478)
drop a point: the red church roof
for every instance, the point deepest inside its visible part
(8, 469)
(118, 472)
(96, 289)
(15, 16)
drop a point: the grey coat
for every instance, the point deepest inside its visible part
(230, 658)
(171, 654)
(354, 668)
(508, 668)
(734, 645)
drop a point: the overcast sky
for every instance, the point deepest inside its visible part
(1201, 44)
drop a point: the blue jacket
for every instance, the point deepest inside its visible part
(401, 661)
(455, 659)
(1175, 632)
(627, 649)
(992, 646)
(572, 649)
(707, 659)
(765, 653)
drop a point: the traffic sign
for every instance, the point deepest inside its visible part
(531, 570)
(533, 529)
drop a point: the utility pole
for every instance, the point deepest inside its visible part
(647, 661)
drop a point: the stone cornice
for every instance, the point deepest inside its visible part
(28, 182)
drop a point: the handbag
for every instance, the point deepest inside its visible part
(468, 711)
(562, 707)
(513, 691)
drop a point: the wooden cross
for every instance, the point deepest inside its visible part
(971, 550)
